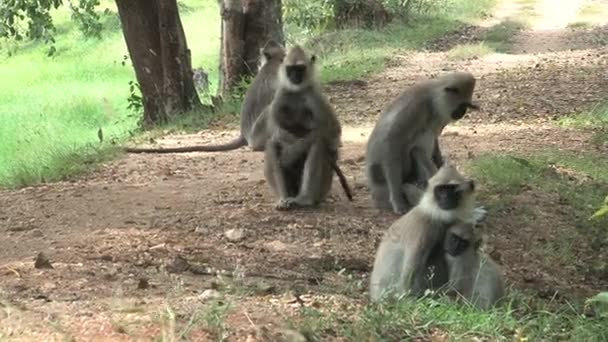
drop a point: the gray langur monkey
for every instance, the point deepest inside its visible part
(411, 251)
(403, 147)
(258, 96)
(305, 133)
(473, 276)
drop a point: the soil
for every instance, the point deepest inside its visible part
(143, 237)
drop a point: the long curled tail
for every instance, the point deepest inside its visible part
(232, 145)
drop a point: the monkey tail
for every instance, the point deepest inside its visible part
(232, 145)
(343, 182)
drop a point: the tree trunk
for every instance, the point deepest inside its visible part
(157, 45)
(263, 21)
(231, 50)
(246, 26)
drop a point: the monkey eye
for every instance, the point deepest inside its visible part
(452, 90)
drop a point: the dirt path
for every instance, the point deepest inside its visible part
(113, 236)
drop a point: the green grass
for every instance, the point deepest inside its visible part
(356, 53)
(52, 108)
(520, 318)
(469, 51)
(595, 119)
(498, 37)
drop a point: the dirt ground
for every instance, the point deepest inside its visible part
(136, 240)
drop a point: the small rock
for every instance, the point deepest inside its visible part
(209, 294)
(276, 246)
(37, 233)
(235, 235)
(143, 284)
(42, 261)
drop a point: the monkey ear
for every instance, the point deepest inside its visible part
(313, 59)
(452, 90)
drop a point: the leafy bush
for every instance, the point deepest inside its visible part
(312, 16)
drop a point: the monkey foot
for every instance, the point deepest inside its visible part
(479, 214)
(291, 203)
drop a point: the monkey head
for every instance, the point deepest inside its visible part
(456, 95)
(459, 238)
(298, 71)
(271, 51)
(449, 194)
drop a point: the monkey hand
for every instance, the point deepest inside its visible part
(479, 214)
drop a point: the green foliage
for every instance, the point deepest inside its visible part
(603, 211)
(599, 303)
(355, 53)
(521, 318)
(40, 26)
(311, 16)
(86, 17)
(51, 133)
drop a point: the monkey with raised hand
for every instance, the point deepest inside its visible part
(257, 98)
(473, 276)
(302, 151)
(403, 149)
(410, 258)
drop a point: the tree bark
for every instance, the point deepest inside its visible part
(231, 50)
(157, 45)
(246, 26)
(263, 21)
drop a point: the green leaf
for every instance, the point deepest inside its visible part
(603, 211)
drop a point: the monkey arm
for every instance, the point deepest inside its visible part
(424, 167)
(272, 156)
(313, 171)
(437, 157)
(393, 171)
(259, 132)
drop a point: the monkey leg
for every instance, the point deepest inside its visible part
(259, 133)
(316, 178)
(275, 174)
(437, 156)
(393, 171)
(423, 165)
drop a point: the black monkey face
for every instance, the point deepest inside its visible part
(449, 196)
(461, 109)
(296, 73)
(455, 245)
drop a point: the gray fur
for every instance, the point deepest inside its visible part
(403, 148)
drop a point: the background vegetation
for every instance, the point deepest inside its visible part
(53, 108)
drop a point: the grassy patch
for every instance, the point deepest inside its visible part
(499, 36)
(521, 318)
(352, 54)
(595, 119)
(580, 179)
(52, 108)
(592, 13)
(469, 51)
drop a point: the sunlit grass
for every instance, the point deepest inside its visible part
(51, 109)
(352, 54)
(469, 51)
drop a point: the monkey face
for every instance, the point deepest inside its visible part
(296, 73)
(450, 196)
(455, 245)
(458, 94)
